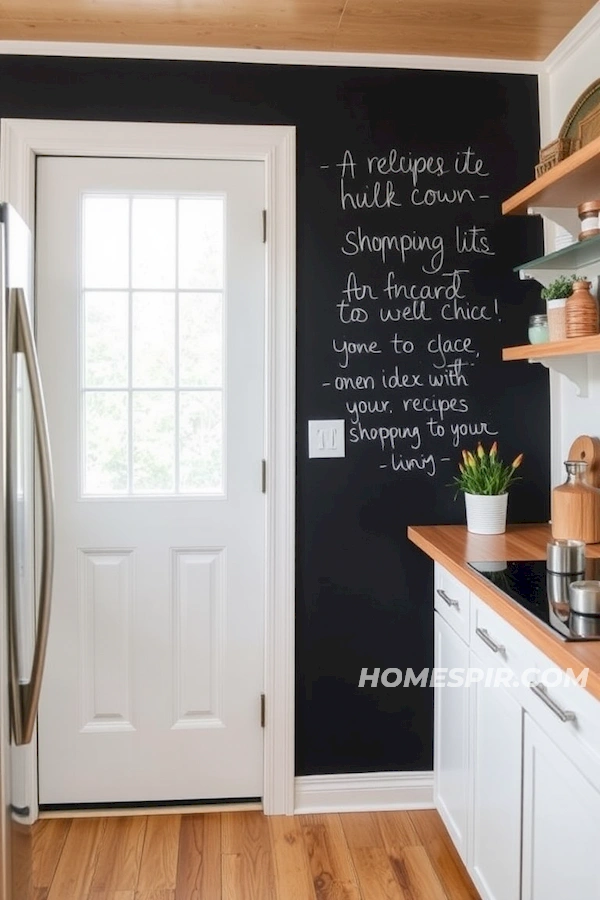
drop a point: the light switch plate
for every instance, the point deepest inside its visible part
(326, 438)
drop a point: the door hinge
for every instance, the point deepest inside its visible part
(262, 710)
(264, 214)
(264, 476)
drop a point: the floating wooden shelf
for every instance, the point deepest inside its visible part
(556, 195)
(552, 349)
(568, 184)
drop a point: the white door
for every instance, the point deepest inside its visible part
(451, 736)
(496, 722)
(561, 824)
(150, 319)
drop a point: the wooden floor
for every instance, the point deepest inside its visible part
(246, 856)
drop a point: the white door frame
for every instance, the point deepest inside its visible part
(21, 140)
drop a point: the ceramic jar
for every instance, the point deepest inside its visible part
(589, 216)
(557, 319)
(582, 311)
(486, 514)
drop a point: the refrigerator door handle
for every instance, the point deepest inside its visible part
(25, 697)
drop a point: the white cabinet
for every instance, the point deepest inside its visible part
(561, 824)
(516, 768)
(451, 724)
(496, 730)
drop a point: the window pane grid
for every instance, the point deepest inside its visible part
(150, 290)
(164, 436)
(154, 390)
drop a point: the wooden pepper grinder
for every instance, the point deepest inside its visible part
(576, 506)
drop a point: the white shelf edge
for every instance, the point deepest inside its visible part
(547, 276)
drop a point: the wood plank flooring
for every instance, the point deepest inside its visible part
(247, 856)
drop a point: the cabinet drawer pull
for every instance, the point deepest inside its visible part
(448, 599)
(491, 643)
(565, 715)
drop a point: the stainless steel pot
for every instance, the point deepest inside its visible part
(584, 598)
(565, 557)
(557, 588)
(584, 626)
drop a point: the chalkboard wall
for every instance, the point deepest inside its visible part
(405, 297)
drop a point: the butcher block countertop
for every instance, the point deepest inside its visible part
(453, 547)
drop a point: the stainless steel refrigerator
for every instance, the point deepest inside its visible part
(26, 552)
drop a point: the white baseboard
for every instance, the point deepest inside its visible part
(363, 792)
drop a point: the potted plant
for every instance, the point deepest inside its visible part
(485, 479)
(560, 288)
(556, 295)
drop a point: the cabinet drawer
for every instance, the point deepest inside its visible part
(569, 715)
(565, 710)
(452, 600)
(497, 643)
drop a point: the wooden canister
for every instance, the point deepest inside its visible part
(576, 506)
(582, 311)
(589, 216)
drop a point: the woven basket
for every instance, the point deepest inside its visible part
(555, 152)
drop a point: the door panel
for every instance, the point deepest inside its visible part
(106, 614)
(198, 637)
(151, 331)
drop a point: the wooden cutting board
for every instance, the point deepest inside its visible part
(587, 448)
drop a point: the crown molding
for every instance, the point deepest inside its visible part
(274, 57)
(574, 40)
(545, 108)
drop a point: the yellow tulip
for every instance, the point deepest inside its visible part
(517, 462)
(465, 457)
(494, 449)
(470, 459)
(461, 469)
(480, 451)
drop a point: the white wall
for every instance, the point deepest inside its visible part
(571, 69)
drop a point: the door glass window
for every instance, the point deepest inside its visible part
(152, 303)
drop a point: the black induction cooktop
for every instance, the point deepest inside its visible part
(544, 594)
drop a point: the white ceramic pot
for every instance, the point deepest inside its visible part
(486, 514)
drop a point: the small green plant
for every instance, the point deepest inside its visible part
(485, 473)
(560, 287)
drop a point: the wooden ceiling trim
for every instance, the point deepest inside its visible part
(488, 29)
(161, 34)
